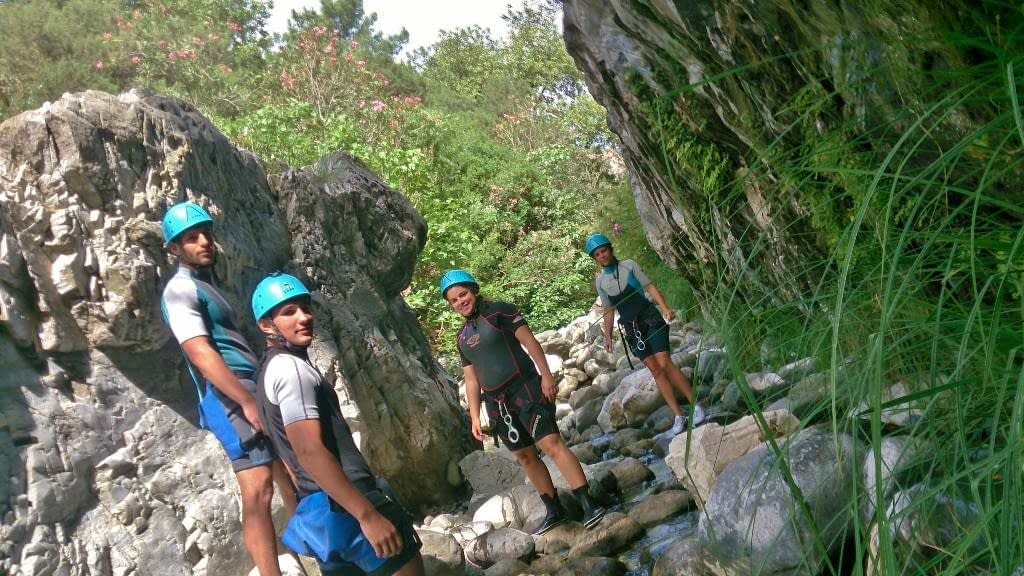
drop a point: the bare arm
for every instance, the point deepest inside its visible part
(667, 312)
(529, 341)
(473, 400)
(609, 320)
(211, 365)
(305, 438)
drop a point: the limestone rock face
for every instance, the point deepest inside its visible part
(695, 93)
(103, 469)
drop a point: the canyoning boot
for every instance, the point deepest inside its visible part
(554, 516)
(592, 512)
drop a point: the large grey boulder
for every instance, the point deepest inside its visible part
(753, 520)
(103, 466)
(635, 397)
(491, 472)
(698, 458)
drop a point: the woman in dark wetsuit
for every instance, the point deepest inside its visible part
(622, 284)
(520, 401)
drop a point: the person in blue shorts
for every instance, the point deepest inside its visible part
(520, 401)
(623, 287)
(343, 519)
(222, 367)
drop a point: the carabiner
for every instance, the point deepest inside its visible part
(513, 434)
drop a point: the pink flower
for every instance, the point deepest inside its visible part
(319, 30)
(616, 228)
(98, 65)
(162, 43)
(386, 82)
(378, 105)
(107, 36)
(197, 40)
(172, 56)
(136, 59)
(235, 26)
(361, 64)
(354, 44)
(214, 37)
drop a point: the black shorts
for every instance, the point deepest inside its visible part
(532, 416)
(411, 544)
(647, 334)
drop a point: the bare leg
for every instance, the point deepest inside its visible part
(285, 486)
(257, 524)
(567, 462)
(675, 375)
(662, 381)
(535, 470)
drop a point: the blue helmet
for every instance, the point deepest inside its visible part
(595, 241)
(273, 290)
(182, 217)
(454, 277)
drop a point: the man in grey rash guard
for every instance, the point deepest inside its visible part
(222, 366)
(342, 519)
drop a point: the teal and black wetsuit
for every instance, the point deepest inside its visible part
(620, 285)
(508, 379)
(192, 306)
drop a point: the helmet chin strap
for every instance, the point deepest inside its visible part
(280, 341)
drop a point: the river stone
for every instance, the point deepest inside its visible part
(466, 533)
(559, 539)
(441, 553)
(593, 566)
(588, 414)
(613, 533)
(508, 567)
(625, 437)
(557, 346)
(766, 383)
(631, 402)
(499, 511)
(498, 545)
(798, 369)
(897, 453)
(712, 447)
(630, 472)
(683, 558)
(753, 520)
(655, 509)
(660, 420)
(548, 563)
(581, 396)
(638, 448)
(491, 472)
(586, 453)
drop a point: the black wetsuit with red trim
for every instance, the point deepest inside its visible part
(509, 382)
